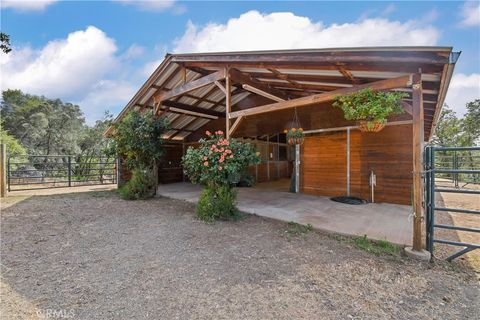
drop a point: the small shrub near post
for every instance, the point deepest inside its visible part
(138, 140)
(219, 164)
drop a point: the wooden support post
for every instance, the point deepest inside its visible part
(278, 156)
(348, 162)
(268, 158)
(3, 170)
(69, 171)
(228, 102)
(418, 138)
(183, 154)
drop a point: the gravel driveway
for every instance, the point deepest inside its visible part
(94, 256)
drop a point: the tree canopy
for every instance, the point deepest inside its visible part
(452, 131)
(45, 126)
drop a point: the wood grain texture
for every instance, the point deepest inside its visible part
(388, 153)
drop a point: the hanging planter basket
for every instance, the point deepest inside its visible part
(294, 141)
(295, 134)
(370, 108)
(371, 126)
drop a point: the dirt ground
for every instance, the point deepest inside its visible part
(94, 256)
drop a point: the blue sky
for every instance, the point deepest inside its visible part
(98, 53)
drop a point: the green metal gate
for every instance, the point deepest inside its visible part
(31, 172)
(451, 170)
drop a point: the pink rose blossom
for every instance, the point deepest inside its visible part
(220, 168)
(208, 133)
(205, 163)
(205, 158)
(231, 156)
(220, 132)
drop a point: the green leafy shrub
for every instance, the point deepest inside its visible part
(370, 105)
(137, 139)
(140, 186)
(219, 164)
(217, 204)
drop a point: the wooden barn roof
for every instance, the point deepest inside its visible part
(287, 74)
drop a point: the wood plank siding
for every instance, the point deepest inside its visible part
(388, 153)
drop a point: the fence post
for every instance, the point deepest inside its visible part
(119, 172)
(3, 162)
(69, 171)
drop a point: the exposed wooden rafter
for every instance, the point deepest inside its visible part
(243, 79)
(187, 107)
(399, 82)
(205, 96)
(347, 74)
(190, 86)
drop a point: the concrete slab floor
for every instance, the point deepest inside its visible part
(379, 221)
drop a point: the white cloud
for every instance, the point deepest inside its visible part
(149, 67)
(155, 5)
(63, 67)
(284, 30)
(106, 95)
(26, 5)
(134, 51)
(470, 14)
(389, 9)
(463, 88)
(78, 68)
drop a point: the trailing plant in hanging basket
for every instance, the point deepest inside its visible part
(295, 133)
(370, 108)
(294, 136)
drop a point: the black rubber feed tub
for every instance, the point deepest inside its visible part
(349, 200)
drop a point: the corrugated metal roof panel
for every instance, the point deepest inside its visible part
(311, 72)
(253, 70)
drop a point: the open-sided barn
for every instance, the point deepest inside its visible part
(254, 95)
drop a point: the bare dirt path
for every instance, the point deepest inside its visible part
(94, 256)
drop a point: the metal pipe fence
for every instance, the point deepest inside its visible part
(434, 170)
(31, 172)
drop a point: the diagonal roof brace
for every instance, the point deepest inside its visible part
(399, 82)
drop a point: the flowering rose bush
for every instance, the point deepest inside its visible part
(218, 164)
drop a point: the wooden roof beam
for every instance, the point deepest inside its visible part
(244, 79)
(399, 82)
(190, 108)
(319, 57)
(347, 74)
(190, 86)
(382, 67)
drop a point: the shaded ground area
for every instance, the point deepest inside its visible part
(380, 221)
(100, 257)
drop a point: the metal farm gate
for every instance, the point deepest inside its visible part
(31, 172)
(451, 170)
